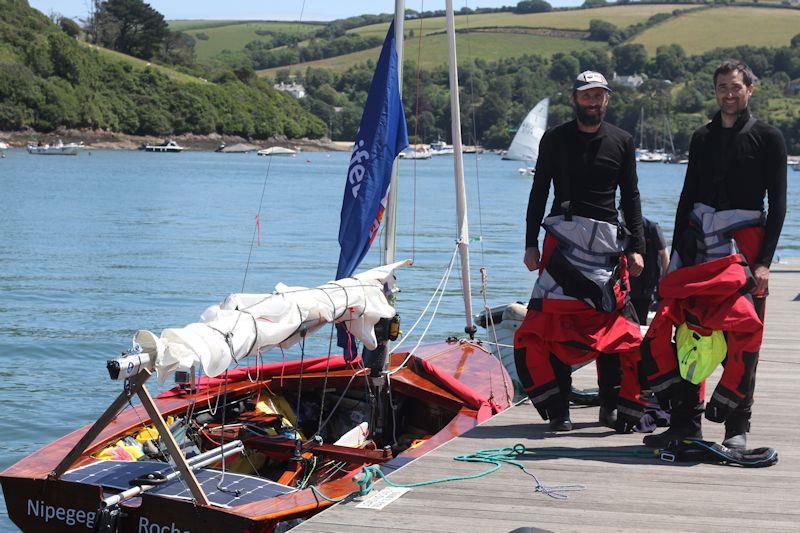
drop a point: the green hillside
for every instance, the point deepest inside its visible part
(724, 27)
(141, 64)
(576, 19)
(210, 40)
(493, 36)
(49, 80)
(489, 46)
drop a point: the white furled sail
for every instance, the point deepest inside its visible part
(248, 324)
(525, 146)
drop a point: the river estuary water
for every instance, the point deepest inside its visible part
(96, 246)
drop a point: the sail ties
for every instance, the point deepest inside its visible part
(249, 324)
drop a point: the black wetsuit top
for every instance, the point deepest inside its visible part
(751, 164)
(596, 163)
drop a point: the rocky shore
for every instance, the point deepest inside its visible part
(108, 140)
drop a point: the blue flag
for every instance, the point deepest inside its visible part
(381, 135)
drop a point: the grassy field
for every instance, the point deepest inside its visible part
(489, 46)
(575, 19)
(722, 27)
(234, 36)
(140, 64)
(199, 24)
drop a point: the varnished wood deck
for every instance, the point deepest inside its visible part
(622, 492)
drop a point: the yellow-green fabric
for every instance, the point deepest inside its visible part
(699, 355)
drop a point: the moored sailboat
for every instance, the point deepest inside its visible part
(525, 145)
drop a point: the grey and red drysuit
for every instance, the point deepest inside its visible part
(707, 287)
(730, 169)
(579, 311)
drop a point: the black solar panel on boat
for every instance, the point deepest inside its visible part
(236, 489)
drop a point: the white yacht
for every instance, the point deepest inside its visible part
(166, 146)
(277, 150)
(416, 153)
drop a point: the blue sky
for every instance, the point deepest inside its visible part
(271, 9)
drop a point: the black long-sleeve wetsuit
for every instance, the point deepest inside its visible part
(595, 163)
(751, 165)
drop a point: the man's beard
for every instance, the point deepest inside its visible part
(587, 119)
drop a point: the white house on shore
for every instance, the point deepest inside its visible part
(294, 88)
(633, 81)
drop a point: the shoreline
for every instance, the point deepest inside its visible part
(108, 140)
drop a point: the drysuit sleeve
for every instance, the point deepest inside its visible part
(689, 192)
(775, 181)
(540, 190)
(631, 203)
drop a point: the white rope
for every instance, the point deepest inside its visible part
(500, 344)
(442, 285)
(425, 310)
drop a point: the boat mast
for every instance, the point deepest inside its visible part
(391, 194)
(669, 134)
(461, 195)
(641, 128)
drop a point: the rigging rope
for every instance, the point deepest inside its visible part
(442, 285)
(258, 219)
(370, 475)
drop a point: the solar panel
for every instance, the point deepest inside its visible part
(228, 490)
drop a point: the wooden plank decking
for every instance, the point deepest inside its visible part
(623, 492)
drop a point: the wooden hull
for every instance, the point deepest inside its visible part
(36, 503)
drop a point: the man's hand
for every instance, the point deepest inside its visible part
(761, 273)
(635, 264)
(531, 258)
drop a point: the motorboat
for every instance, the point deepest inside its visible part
(55, 149)
(441, 148)
(277, 151)
(419, 152)
(166, 146)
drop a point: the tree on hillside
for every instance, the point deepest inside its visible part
(532, 6)
(128, 26)
(594, 3)
(670, 62)
(600, 30)
(69, 26)
(630, 58)
(564, 68)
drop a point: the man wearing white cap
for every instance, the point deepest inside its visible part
(579, 309)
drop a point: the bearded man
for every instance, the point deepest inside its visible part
(579, 309)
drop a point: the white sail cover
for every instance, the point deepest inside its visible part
(525, 146)
(247, 324)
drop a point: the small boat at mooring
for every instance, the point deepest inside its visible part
(55, 149)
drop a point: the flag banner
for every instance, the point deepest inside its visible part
(382, 134)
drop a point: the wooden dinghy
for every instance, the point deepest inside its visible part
(441, 392)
